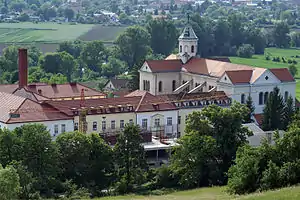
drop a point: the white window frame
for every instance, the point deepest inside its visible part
(144, 123)
(156, 122)
(169, 121)
(63, 128)
(113, 124)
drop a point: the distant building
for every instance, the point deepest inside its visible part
(187, 73)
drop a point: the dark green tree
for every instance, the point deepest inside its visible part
(289, 112)
(133, 45)
(251, 109)
(273, 115)
(130, 158)
(72, 47)
(293, 69)
(163, 36)
(94, 54)
(281, 35)
(225, 125)
(69, 13)
(194, 160)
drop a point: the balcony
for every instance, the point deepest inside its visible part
(166, 131)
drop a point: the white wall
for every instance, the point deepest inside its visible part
(49, 124)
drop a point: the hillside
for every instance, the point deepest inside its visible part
(217, 193)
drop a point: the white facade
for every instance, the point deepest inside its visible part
(159, 120)
(55, 127)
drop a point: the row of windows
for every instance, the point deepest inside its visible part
(104, 127)
(146, 85)
(263, 97)
(56, 129)
(192, 48)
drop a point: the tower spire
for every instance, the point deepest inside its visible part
(188, 17)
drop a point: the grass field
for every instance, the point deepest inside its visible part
(260, 61)
(46, 36)
(217, 193)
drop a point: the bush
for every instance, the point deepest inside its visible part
(276, 59)
(165, 178)
(270, 177)
(245, 51)
(293, 69)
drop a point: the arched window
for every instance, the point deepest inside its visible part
(180, 49)
(286, 96)
(266, 97)
(173, 85)
(261, 98)
(185, 49)
(159, 86)
(243, 98)
(192, 49)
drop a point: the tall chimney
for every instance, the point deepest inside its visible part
(23, 68)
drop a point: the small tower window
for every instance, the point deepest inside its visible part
(266, 97)
(286, 96)
(159, 86)
(180, 49)
(173, 85)
(261, 97)
(192, 49)
(243, 98)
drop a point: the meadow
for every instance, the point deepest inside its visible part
(260, 61)
(46, 36)
(217, 193)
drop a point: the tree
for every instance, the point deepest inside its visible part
(289, 111)
(273, 115)
(130, 157)
(58, 62)
(251, 109)
(113, 68)
(163, 36)
(93, 55)
(293, 69)
(245, 51)
(222, 37)
(39, 154)
(72, 47)
(225, 125)
(237, 30)
(257, 39)
(18, 6)
(69, 13)
(295, 39)
(194, 159)
(55, 79)
(281, 35)
(133, 45)
(10, 58)
(86, 160)
(9, 183)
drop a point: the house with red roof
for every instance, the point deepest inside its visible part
(187, 73)
(16, 111)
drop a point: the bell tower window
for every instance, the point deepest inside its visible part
(159, 86)
(192, 49)
(180, 48)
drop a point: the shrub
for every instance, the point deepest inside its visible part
(245, 51)
(295, 62)
(270, 177)
(293, 69)
(289, 173)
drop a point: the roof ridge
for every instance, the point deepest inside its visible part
(140, 103)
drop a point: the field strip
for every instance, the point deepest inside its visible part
(25, 38)
(14, 31)
(12, 39)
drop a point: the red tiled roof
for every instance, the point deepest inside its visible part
(150, 103)
(196, 65)
(30, 111)
(283, 74)
(259, 118)
(68, 105)
(164, 65)
(56, 91)
(68, 90)
(239, 77)
(136, 93)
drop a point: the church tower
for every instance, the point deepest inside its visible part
(188, 43)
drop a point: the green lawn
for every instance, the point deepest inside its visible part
(260, 61)
(217, 193)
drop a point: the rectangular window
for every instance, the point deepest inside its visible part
(157, 122)
(144, 123)
(55, 129)
(103, 125)
(113, 124)
(95, 126)
(179, 120)
(121, 123)
(131, 121)
(63, 128)
(76, 126)
(169, 121)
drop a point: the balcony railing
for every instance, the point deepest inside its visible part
(164, 130)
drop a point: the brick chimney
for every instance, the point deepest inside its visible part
(23, 68)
